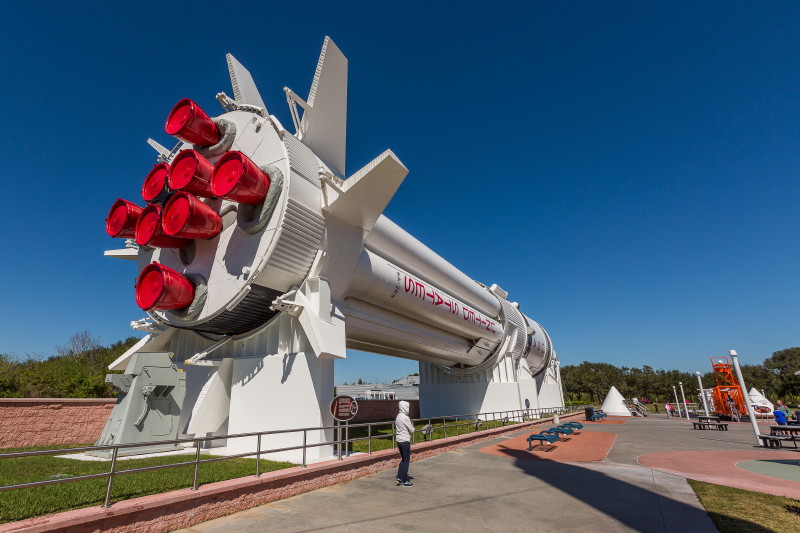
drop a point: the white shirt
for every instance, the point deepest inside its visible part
(402, 424)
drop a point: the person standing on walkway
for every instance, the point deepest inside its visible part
(403, 429)
(668, 409)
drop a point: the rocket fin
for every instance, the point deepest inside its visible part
(324, 123)
(365, 194)
(244, 88)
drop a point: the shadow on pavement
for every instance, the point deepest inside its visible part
(632, 505)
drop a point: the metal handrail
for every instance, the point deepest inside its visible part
(472, 420)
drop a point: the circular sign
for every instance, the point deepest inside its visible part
(527, 403)
(344, 408)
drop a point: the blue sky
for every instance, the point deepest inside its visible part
(628, 172)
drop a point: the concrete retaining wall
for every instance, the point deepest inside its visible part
(52, 421)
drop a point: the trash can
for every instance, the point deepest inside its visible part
(589, 412)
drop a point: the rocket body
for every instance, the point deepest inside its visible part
(396, 296)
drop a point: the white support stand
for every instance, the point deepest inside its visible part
(279, 392)
(269, 381)
(497, 389)
(551, 392)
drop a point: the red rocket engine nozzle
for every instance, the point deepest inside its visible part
(122, 218)
(149, 232)
(191, 172)
(189, 123)
(161, 288)
(237, 178)
(185, 216)
(154, 188)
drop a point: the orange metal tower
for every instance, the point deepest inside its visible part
(727, 393)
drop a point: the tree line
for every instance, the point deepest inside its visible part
(591, 381)
(77, 370)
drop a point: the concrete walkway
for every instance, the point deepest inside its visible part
(469, 490)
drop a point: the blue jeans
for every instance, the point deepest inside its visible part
(405, 459)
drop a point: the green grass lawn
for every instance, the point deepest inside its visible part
(743, 511)
(37, 501)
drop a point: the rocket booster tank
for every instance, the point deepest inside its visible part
(250, 220)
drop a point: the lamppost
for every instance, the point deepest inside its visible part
(683, 396)
(702, 392)
(746, 398)
(677, 403)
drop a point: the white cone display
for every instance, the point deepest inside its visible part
(614, 404)
(761, 405)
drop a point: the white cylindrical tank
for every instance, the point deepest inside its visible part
(381, 283)
(389, 240)
(376, 330)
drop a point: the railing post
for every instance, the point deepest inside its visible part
(107, 500)
(196, 464)
(369, 439)
(305, 443)
(339, 439)
(444, 427)
(258, 456)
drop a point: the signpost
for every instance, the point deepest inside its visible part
(343, 409)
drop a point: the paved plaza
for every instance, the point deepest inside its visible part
(476, 488)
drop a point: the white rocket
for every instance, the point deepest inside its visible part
(255, 243)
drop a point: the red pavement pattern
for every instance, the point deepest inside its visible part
(584, 446)
(715, 466)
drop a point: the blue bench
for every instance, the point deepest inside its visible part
(564, 430)
(544, 436)
(573, 424)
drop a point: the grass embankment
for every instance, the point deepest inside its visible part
(452, 428)
(38, 501)
(744, 511)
